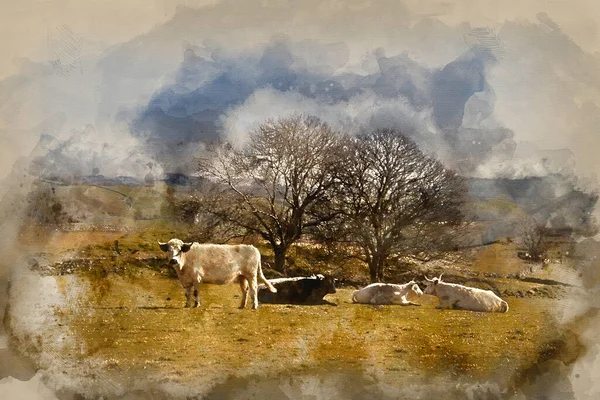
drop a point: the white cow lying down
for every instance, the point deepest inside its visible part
(461, 297)
(216, 263)
(388, 293)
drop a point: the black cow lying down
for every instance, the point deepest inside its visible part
(298, 290)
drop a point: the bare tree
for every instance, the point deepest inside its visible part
(195, 211)
(394, 200)
(534, 237)
(276, 185)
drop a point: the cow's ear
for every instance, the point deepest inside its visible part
(186, 247)
(164, 246)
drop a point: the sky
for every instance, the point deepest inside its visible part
(29, 32)
(25, 24)
(493, 90)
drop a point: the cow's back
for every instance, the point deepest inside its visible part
(377, 291)
(220, 263)
(366, 294)
(490, 301)
(289, 291)
(470, 298)
(309, 290)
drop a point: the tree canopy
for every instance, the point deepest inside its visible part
(275, 185)
(393, 199)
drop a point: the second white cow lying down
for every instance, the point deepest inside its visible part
(461, 297)
(388, 293)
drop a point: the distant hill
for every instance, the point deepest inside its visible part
(503, 204)
(553, 200)
(171, 179)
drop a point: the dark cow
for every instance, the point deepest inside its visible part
(298, 290)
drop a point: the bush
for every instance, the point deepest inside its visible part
(45, 208)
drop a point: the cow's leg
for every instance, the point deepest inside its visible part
(188, 295)
(196, 294)
(444, 302)
(244, 286)
(253, 291)
(381, 299)
(375, 299)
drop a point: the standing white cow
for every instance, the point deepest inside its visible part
(461, 297)
(216, 263)
(388, 293)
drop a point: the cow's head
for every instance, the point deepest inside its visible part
(330, 284)
(175, 248)
(327, 283)
(414, 291)
(430, 284)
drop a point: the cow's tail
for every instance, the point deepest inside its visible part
(504, 306)
(262, 277)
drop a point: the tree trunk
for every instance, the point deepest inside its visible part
(373, 272)
(376, 268)
(279, 252)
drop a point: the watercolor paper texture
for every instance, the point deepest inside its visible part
(106, 107)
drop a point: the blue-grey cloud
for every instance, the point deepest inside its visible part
(190, 109)
(453, 86)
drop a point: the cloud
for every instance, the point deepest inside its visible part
(426, 103)
(33, 389)
(87, 151)
(477, 91)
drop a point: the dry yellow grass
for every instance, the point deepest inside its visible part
(132, 325)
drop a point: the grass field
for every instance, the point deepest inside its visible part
(139, 323)
(123, 317)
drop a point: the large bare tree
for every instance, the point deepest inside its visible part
(276, 184)
(394, 200)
